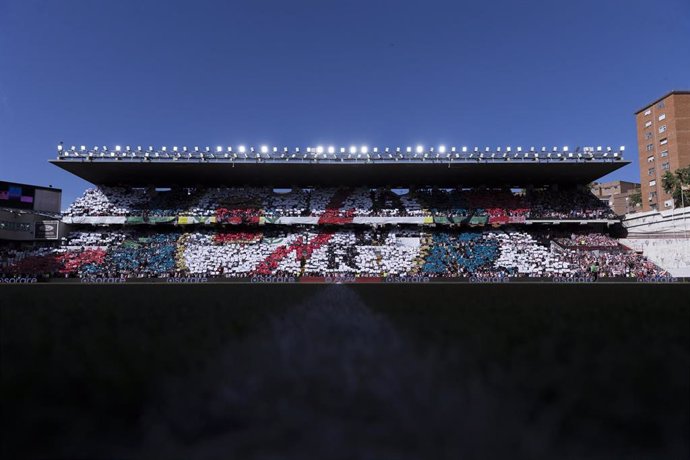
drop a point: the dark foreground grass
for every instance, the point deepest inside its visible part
(349, 371)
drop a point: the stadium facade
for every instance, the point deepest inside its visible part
(29, 212)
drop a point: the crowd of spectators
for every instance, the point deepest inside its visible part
(313, 251)
(248, 204)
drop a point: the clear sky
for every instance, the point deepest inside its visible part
(306, 72)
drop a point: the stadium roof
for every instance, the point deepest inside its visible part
(349, 167)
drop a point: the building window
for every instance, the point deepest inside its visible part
(661, 105)
(652, 183)
(650, 147)
(652, 195)
(664, 153)
(647, 112)
(650, 172)
(650, 159)
(648, 135)
(663, 141)
(666, 166)
(648, 124)
(662, 128)
(662, 116)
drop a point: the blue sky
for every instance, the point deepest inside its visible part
(306, 72)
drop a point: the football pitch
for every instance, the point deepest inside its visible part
(345, 371)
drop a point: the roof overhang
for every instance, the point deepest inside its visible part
(306, 174)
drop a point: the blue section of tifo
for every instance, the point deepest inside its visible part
(153, 256)
(466, 252)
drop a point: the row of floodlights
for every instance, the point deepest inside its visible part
(321, 150)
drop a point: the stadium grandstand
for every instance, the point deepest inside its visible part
(353, 213)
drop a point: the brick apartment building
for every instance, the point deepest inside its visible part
(616, 195)
(663, 137)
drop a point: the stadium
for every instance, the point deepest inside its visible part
(346, 214)
(228, 302)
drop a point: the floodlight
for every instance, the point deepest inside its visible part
(207, 149)
(118, 148)
(150, 148)
(565, 148)
(420, 149)
(442, 148)
(242, 148)
(275, 149)
(364, 149)
(622, 149)
(452, 149)
(464, 149)
(342, 149)
(509, 149)
(264, 149)
(598, 148)
(331, 149)
(164, 148)
(476, 149)
(376, 149)
(219, 149)
(353, 149)
(308, 149)
(543, 149)
(82, 148)
(409, 149)
(519, 149)
(397, 149)
(138, 148)
(608, 149)
(174, 148)
(319, 149)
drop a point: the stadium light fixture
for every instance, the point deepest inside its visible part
(442, 149)
(409, 149)
(118, 148)
(331, 149)
(598, 148)
(420, 149)
(353, 149)
(565, 148)
(364, 149)
(543, 149)
(342, 149)
(264, 149)
(319, 149)
(219, 149)
(275, 149)
(622, 149)
(608, 149)
(242, 148)
(164, 148)
(519, 149)
(207, 149)
(82, 148)
(452, 149)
